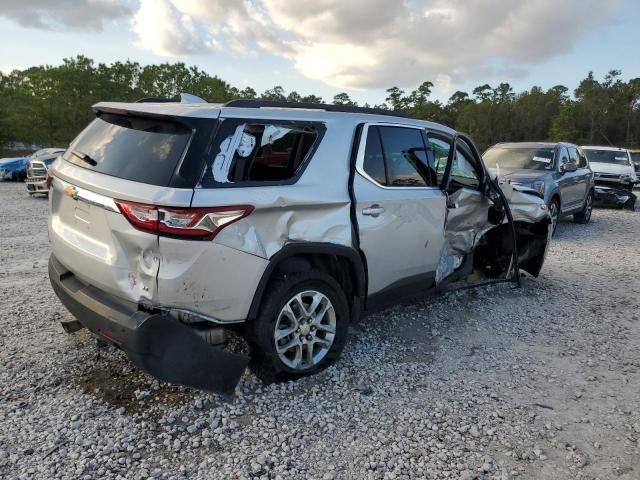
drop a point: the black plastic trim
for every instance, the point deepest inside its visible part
(404, 289)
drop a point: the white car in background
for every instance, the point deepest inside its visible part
(612, 166)
(614, 175)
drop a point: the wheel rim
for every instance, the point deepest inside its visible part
(553, 213)
(589, 207)
(305, 330)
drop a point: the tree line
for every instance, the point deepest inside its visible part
(49, 105)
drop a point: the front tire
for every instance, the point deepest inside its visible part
(301, 328)
(584, 216)
(554, 213)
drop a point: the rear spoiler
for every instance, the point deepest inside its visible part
(182, 98)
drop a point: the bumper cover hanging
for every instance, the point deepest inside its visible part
(155, 343)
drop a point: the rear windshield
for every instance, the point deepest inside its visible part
(518, 158)
(607, 156)
(145, 150)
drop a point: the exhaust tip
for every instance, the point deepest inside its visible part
(71, 326)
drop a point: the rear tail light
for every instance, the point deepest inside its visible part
(200, 223)
(49, 180)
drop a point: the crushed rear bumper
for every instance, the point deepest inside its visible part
(155, 343)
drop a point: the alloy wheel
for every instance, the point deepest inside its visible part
(588, 207)
(305, 330)
(553, 213)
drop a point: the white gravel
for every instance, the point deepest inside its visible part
(538, 382)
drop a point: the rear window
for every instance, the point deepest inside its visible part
(145, 150)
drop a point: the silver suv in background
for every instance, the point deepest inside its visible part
(176, 227)
(559, 172)
(37, 168)
(615, 175)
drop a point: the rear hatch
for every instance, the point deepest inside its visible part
(107, 187)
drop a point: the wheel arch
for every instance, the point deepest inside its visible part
(556, 195)
(343, 263)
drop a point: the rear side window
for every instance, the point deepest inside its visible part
(145, 150)
(397, 157)
(259, 152)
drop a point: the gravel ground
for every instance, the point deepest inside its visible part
(538, 382)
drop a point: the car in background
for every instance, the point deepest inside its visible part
(37, 169)
(635, 159)
(14, 168)
(615, 175)
(559, 172)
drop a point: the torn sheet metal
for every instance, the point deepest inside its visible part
(468, 221)
(525, 203)
(614, 197)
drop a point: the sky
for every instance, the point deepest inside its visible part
(325, 47)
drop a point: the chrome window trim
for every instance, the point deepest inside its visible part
(361, 150)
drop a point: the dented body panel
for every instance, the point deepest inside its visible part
(90, 237)
(165, 292)
(208, 278)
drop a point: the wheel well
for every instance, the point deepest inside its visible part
(344, 269)
(556, 196)
(340, 268)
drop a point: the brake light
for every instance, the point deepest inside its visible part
(49, 180)
(198, 223)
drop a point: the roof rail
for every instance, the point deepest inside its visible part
(313, 106)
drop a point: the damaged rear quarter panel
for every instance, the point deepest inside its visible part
(208, 278)
(222, 275)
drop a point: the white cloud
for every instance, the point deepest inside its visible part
(357, 43)
(167, 31)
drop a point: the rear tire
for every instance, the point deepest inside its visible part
(584, 216)
(290, 338)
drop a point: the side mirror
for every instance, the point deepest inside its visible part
(568, 167)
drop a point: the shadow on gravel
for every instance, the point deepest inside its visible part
(112, 378)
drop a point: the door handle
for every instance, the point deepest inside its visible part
(373, 211)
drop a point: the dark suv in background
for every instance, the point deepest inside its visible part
(559, 172)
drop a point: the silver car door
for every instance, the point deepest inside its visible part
(400, 211)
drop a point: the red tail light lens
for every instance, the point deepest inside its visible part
(202, 223)
(49, 180)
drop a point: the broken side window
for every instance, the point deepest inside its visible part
(440, 149)
(463, 172)
(258, 152)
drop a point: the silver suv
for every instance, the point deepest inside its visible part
(179, 226)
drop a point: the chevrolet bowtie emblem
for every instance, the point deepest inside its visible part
(71, 191)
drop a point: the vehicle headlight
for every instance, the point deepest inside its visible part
(539, 186)
(625, 178)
